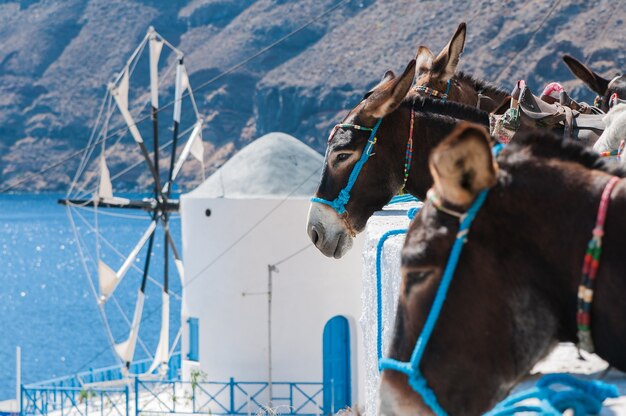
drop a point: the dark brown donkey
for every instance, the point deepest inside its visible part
(434, 73)
(513, 296)
(603, 87)
(382, 175)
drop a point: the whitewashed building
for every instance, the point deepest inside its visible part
(248, 216)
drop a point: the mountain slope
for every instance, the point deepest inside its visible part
(57, 57)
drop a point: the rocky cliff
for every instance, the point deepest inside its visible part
(56, 58)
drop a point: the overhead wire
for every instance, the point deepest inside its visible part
(292, 255)
(527, 43)
(32, 175)
(247, 232)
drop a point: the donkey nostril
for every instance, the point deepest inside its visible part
(314, 235)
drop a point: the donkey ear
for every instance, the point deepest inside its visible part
(594, 81)
(446, 62)
(389, 75)
(387, 96)
(424, 59)
(462, 165)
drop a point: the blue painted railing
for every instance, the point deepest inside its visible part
(228, 398)
(166, 397)
(110, 374)
(75, 401)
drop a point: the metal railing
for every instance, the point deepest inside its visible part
(112, 373)
(75, 401)
(166, 397)
(228, 398)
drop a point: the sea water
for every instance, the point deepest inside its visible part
(47, 304)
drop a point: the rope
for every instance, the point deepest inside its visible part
(28, 176)
(379, 251)
(583, 397)
(398, 199)
(379, 287)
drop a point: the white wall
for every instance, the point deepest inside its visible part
(308, 290)
(393, 217)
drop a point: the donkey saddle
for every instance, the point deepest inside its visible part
(566, 114)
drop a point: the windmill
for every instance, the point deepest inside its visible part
(92, 189)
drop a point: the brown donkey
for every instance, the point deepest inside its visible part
(603, 87)
(513, 296)
(383, 176)
(436, 75)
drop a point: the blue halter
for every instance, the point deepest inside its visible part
(339, 203)
(584, 397)
(412, 368)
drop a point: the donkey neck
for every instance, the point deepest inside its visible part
(431, 126)
(548, 213)
(468, 85)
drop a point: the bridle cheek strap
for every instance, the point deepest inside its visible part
(339, 203)
(590, 271)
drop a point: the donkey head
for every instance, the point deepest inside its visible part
(434, 72)
(379, 179)
(603, 87)
(479, 336)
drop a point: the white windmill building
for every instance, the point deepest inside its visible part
(246, 249)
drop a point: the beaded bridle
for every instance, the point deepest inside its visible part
(443, 96)
(339, 203)
(411, 369)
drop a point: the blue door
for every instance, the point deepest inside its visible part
(337, 388)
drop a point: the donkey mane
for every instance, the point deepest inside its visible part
(479, 84)
(546, 144)
(447, 108)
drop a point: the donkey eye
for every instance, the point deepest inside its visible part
(342, 156)
(414, 277)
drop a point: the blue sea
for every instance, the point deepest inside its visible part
(47, 306)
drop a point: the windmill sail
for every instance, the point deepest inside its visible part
(126, 349)
(196, 135)
(108, 278)
(156, 45)
(105, 188)
(161, 357)
(120, 95)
